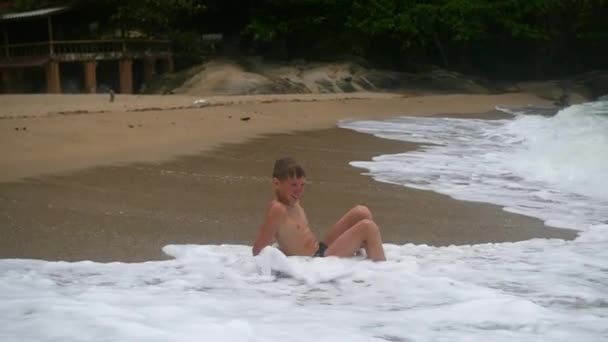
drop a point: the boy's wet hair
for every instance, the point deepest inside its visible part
(287, 167)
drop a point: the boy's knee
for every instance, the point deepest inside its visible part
(370, 225)
(363, 212)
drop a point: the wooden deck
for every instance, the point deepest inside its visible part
(82, 50)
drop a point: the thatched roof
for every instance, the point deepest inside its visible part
(40, 13)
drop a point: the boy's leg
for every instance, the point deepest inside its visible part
(364, 233)
(352, 217)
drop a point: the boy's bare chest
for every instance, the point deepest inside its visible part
(296, 221)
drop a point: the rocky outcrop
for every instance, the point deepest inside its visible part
(578, 88)
(255, 77)
(596, 83)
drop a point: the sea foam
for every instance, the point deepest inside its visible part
(553, 168)
(536, 290)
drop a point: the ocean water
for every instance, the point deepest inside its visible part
(553, 168)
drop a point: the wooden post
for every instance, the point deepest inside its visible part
(5, 81)
(90, 76)
(17, 81)
(53, 80)
(149, 68)
(170, 65)
(125, 69)
(50, 25)
(6, 50)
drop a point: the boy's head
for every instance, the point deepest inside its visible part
(288, 179)
(285, 168)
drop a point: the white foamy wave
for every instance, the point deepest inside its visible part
(539, 290)
(568, 150)
(553, 168)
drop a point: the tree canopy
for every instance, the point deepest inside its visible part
(499, 38)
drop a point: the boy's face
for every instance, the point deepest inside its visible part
(290, 190)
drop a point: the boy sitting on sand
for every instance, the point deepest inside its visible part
(286, 222)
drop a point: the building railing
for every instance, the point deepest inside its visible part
(72, 48)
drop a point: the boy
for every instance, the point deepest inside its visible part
(286, 222)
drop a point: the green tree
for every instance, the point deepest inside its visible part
(153, 16)
(520, 38)
(299, 27)
(163, 18)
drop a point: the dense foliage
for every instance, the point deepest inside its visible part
(500, 38)
(519, 38)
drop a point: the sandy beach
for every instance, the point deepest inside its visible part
(82, 178)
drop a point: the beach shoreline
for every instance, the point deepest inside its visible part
(131, 204)
(53, 134)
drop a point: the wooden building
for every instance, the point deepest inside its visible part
(70, 50)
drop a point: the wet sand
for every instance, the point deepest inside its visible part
(53, 134)
(128, 212)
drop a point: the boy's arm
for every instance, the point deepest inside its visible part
(266, 235)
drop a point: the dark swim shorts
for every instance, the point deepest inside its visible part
(321, 251)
